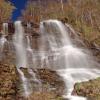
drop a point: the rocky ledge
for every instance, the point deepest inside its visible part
(51, 88)
(89, 89)
(8, 78)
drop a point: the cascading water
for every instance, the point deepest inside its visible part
(62, 6)
(32, 61)
(72, 63)
(5, 28)
(3, 39)
(19, 45)
(55, 51)
(2, 42)
(24, 58)
(21, 57)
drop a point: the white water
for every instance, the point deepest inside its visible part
(19, 45)
(5, 28)
(24, 58)
(72, 63)
(62, 6)
(30, 51)
(25, 84)
(3, 39)
(21, 57)
(56, 51)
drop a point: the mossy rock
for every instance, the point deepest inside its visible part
(89, 89)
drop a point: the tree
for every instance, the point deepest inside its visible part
(6, 9)
(32, 12)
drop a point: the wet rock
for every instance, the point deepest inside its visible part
(89, 89)
(52, 79)
(51, 86)
(25, 71)
(35, 25)
(11, 28)
(0, 26)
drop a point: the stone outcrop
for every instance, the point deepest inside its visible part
(51, 85)
(89, 89)
(8, 78)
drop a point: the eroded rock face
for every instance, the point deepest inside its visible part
(8, 78)
(90, 89)
(52, 80)
(52, 85)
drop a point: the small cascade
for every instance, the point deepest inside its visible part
(5, 28)
(62, 6)
(21, 57)
(25, 84)
(19, 45)
(72, 63)
(32, 61)
(24, 59)
(30, 52)
(2, 42)
(3, 39)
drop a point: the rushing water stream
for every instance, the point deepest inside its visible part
(3, 40)
(72, 63)
(55, 51)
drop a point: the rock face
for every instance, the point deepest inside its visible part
(51, 85)
(49, 77)
(44, 96)
(90, 89)
(8, 78)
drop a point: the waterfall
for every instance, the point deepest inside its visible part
(3, 39)
(5, 28)
(30, 51)
(2, 42)
(72, 63)
(56, 51)
(32, 61)
(21, 56)
(24, 58)
(19, 45)
(62, 6)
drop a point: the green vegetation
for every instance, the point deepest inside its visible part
(83, 15)
(6, 9)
